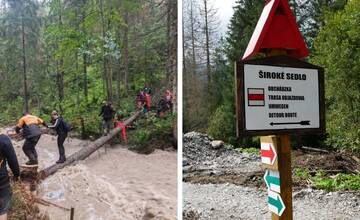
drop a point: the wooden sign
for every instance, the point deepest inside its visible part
(279, 95)
(269, 148)
(276, 28)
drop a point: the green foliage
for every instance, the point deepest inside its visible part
(65, 51)
(242, 25)
(251, 150)
(141, 137)
(310, 16)
(162, 126)
(151, 133)
(302, 173)
(221, 124)
(337, 49)
(337, 183)
(320, 180)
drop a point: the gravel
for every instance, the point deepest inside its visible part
(204, 157)
(227, 201)
(200, 155)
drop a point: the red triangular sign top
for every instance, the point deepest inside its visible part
(277, 29)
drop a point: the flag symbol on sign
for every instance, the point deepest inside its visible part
(256, 97)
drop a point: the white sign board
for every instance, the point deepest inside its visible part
(281, 97)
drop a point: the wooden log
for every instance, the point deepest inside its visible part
(72, 212)
(86, 151)
(355, 158)
(47, 203)
(314, 149)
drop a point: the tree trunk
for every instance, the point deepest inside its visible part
(207, 46)
(105, 60)
(86, 151)
(85, 76)
(59, 82)
(60, 67)
(168, 39)
(26, 95)
(110, 76)
(192, 21)
(126, 52)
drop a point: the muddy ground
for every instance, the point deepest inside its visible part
(222, 183)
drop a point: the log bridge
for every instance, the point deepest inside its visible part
(86, 151)
(31, 176)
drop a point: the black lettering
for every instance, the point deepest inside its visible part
(278, 106)
(295, 76)
(290, 115)
(276, 115)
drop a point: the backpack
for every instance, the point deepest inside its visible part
(67, 126)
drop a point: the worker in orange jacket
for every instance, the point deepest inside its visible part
(29, 125)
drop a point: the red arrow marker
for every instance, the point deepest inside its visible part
(268, 153)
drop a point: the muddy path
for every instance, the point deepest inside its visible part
(113, 183)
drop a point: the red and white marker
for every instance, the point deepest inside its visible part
(256, 97)
(268, 153)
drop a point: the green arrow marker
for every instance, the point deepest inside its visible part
(272, 180)
(276, 205)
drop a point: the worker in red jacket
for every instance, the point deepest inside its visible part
(147, 105)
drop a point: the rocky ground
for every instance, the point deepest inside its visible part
(221, 183)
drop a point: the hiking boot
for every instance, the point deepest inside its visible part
(61, 160)
(32, 162)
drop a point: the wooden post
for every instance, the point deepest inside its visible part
(284, 162)
(284, 168)
(72, 211)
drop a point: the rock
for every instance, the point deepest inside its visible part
(185, 161)
(201, 151)
(217, 144)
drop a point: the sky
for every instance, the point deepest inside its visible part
(225, 12)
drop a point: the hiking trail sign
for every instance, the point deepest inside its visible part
(272, 180)
(275, 202)
(276, 29)
(278, 95)
(268, 153)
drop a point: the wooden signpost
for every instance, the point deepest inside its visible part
(277, 96)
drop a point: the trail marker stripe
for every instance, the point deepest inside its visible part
(272, 180)
(256, 96)
(268, 153)
(276, 205)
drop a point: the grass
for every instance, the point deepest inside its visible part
(249, 150)
(338, 182)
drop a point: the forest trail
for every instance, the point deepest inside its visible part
(221, 183)
(228, 201)
(113, 183)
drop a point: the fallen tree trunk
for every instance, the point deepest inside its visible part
(314, 149)
(86, 151)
